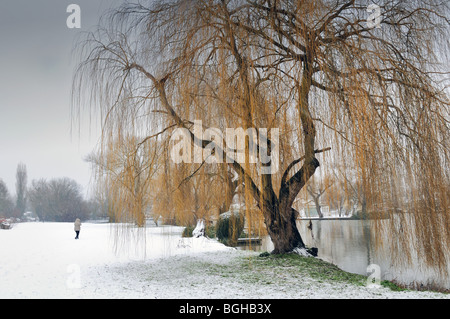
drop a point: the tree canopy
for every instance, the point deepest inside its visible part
(365, 97)
(58, 200)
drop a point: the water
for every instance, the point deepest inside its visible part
(349, 245)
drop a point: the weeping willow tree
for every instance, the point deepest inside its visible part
(347, 84)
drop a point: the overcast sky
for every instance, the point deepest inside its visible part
(36, 69)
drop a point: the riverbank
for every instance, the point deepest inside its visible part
(234, 274)
(44, 261)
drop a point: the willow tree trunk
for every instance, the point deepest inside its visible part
(282, 225)
(281, 217)
(283, 232)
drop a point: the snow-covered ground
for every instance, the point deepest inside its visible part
(43, 260)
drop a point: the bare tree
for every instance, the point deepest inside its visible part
(21, 189)
(316, 190)
(6, 202)
(39, 195)
(315, 69)
(58, 200)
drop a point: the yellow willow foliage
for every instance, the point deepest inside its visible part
(365, 103)
(124, 173)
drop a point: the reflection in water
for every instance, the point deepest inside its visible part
(349, 245)
(344, 243)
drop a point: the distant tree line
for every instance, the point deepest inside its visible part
(57, 200)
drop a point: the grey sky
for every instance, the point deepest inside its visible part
(36, 69)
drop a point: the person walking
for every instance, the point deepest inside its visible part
(77, 227)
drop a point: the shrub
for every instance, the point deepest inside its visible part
(187, 231)
(209, 231)
(229, 228)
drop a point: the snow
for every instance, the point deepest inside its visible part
(199, 230)
(43, 260)
(302, 252)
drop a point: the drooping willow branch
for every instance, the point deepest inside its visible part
(160, 86)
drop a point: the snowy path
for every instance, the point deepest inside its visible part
(42, 260)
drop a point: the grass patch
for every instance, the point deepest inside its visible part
(316, 268)
(283, 270)
(288, 273)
